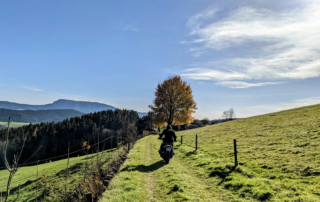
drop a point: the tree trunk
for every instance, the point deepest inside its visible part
(9, 186)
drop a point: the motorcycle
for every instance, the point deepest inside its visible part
(167, 153)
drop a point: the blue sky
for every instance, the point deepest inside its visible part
(255, 56)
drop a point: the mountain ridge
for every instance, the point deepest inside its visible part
(37, 116)
(81, 106)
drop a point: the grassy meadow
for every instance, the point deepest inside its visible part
(278, 154)
(13, 124)
(52, 187)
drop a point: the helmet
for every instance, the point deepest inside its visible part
(169, 127)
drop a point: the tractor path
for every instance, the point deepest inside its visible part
(145, 177)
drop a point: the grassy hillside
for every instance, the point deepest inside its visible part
(278, 153)
(51, 188)
(13, 124)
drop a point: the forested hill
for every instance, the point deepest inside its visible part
(54, 137)
(30, 116)
(82, 106)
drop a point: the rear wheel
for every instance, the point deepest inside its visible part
(166, 157)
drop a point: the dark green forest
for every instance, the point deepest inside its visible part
(54, 137)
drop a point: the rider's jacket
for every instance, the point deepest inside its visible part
(169, 136)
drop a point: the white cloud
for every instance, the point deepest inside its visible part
(197, 19)
(30, 88)
(207, 74)
(283, 45)
(242, 84)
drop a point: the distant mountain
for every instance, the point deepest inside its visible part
(82, 106)
(30, 116)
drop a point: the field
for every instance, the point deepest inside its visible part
(278, 154)
(13, 124)
(51, 188)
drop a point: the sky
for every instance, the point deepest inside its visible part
(256, 57)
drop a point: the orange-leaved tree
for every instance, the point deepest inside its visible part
(174, 104)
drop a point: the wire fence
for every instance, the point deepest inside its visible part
(66, 154)
(98, 156)
(195, 144)
(282, 150)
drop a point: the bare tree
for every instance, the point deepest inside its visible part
(229, 115)
(232, 114)
(15, 166)
(225, 115)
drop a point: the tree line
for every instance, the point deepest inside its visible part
(54, 137)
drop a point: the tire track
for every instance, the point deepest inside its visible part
(149, 178)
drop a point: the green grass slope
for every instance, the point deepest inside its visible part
(278, 154)
(13, 124)
(51, 188)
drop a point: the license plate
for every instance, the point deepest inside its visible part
(168, 149)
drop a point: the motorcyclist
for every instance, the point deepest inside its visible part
(169, 137)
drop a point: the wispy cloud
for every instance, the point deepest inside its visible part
(282, 45)
(243, 84)
(132, 27)
(197, 20)
(30, 88)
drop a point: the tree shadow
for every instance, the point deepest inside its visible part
(143, 168)
(15, 190)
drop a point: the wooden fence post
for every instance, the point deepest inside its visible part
(196, 142)
(91, 160)
(181, 139)
(67, 169)
(111, 141)
(98, 152)
(37, 182)
(235, 152)
(89, 197)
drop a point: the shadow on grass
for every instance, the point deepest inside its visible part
(191, 153)
(15, 190)
(143, 168)
(223, 173)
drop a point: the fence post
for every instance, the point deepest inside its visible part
(89, 197)
(67, 169)
(37, 182)
(98, 152)
(181, 139)
(196, 142)
(111, 141)
(91, 160)
(235, 152)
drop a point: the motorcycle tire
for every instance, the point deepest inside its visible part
(166, 157)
